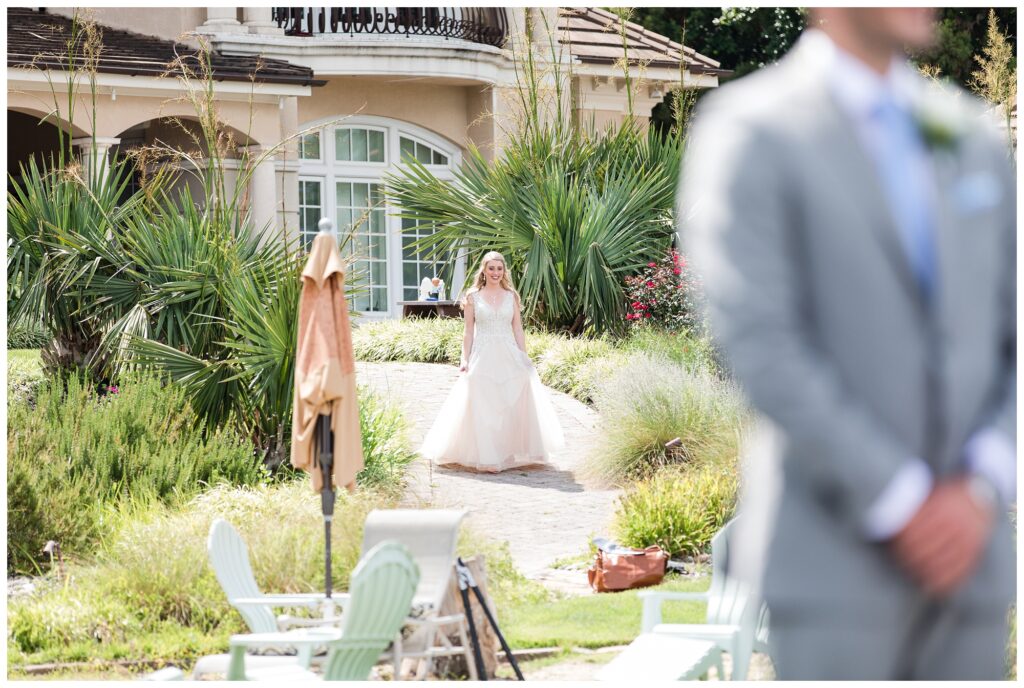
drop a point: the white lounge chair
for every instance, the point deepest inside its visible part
(431, 536)
(733, 621)
(229, 557)
(656, 657)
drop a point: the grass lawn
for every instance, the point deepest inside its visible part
(24, 359)
(592, 621)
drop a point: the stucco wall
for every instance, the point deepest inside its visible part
(441, 108)
(164, 22)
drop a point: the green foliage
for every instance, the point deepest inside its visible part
(996, 78)
(575, 365)
(184, 285)
(679, 508)
(742, 39)
(76, 451)
(220, 319)
(650, 401)
(962, 34)
(692, 351)
(574, 213)
(386, 453)
(30, 335)
(151, 578)
(24, 376)
(60, 230)
(424, 340)
(562, 362)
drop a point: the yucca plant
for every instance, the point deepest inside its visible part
(577, 211)
(63, 236)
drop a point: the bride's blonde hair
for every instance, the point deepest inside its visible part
(481, 278)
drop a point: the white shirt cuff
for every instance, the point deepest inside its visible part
(899, 501)
(991, 453)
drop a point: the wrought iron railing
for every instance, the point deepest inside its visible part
(487, 25)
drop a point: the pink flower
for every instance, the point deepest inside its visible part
(652, 265)
(636, 304)
(676, 271)
(650, 284)
(647, 315)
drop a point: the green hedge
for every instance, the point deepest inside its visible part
(678, 508)
(76, 451)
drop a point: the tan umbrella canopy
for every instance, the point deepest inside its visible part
(325, 378)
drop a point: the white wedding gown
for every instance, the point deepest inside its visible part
(498, 415)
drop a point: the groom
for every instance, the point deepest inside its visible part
(856, 232)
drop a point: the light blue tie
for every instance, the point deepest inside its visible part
(898, 156)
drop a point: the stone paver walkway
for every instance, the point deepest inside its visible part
(544, 514)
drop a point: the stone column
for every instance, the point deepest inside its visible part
(288, 170)
(221, 20)
(258, 20)
(262, 201)
(94, 155)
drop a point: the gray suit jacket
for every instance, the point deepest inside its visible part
(813, 301)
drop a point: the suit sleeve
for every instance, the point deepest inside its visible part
(1005, 415)
(740, 223)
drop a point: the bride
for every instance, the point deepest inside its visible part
(498, 415)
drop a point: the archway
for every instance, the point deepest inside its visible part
(29, 137)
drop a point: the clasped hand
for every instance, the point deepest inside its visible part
(943, 543)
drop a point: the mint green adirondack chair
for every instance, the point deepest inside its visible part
(380, 596)
(734, 619)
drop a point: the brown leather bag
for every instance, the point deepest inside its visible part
(624, 571)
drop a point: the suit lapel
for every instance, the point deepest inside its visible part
(947, 236)
(857, 173)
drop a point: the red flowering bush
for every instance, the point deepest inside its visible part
(664, 295)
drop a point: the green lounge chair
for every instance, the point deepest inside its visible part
(380, 596)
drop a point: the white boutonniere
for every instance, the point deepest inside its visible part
(943, 116)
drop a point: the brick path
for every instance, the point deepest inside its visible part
(543, 514)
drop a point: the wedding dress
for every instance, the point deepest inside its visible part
(498, 415)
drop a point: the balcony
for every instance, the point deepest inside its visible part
(482, 25)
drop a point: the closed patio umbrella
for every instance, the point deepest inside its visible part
(325, 419)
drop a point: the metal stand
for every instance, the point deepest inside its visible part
(467, 583)
(325, 458)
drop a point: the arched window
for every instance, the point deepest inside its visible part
(341, 172)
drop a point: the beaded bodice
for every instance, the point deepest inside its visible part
(493, 320)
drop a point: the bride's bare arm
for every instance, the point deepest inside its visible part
(517, 327)
(467, 338)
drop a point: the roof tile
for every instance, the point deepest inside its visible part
(37, 38)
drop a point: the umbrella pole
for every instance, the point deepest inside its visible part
(325, 448)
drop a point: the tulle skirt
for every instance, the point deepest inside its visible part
(498, 415)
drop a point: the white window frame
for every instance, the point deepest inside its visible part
(319, 133)
(323, 201)
(432, 148)
(369, 164)
(331, 171)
